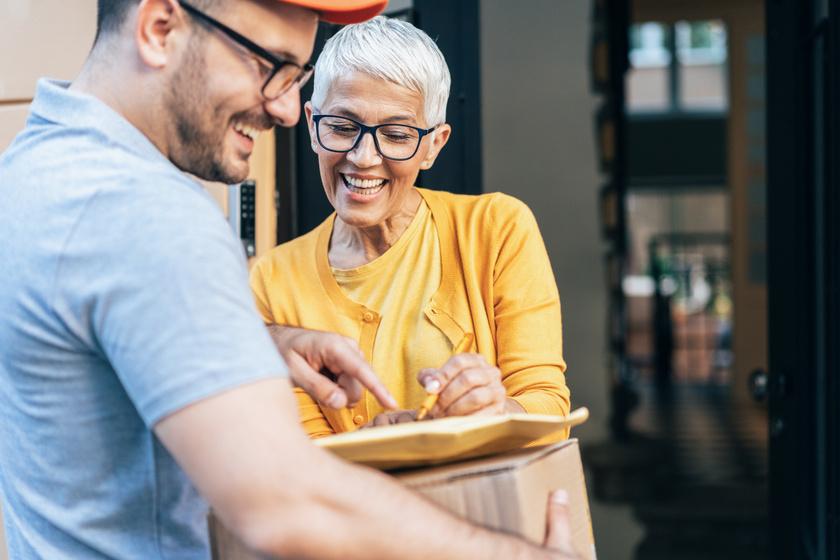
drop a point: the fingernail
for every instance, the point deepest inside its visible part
(560, 497)
(432, 385)
(335, 400)
(392, 402)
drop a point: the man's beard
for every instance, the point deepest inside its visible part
(200, 128)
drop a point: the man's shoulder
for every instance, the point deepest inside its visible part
(76, 165)
(81, 152)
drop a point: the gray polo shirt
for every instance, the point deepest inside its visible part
(123, 298)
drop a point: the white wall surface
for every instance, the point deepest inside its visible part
(39, 38)
(12, 118)
(538, 146)
(44, 38)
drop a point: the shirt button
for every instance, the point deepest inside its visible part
(368, 317)
(358, 419)
(433, 311)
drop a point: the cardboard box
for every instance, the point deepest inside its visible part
(508, 492)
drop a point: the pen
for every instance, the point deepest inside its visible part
(430, 400)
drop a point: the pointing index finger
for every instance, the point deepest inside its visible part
(343, 360)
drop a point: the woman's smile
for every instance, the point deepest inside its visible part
(362, 188)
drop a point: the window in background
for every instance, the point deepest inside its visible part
(701, 62)
(648, 87)
(677, 68)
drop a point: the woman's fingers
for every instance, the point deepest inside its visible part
(435, 380)
(381, 420)
(429, 379)
(488, 398)
(403, 416)
(466, 384)
(457, 364)
(467, 379)
(396, 417)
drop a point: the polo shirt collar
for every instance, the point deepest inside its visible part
(55, 102)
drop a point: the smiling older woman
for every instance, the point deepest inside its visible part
(408, 272)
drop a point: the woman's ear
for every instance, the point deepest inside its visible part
(310, 125)
(439, 139)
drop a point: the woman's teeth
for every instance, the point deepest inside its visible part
(363, 186)
(248, 131)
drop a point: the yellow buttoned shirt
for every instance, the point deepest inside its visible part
(465, 264)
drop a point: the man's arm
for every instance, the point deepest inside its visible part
(283, 496)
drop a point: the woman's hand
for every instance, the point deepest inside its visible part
(393, 417)
(466, 385)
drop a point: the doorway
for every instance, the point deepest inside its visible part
(687, 277)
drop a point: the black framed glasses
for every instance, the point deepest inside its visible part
(397, 142)
(280, 75)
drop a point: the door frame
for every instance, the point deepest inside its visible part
(803, 114)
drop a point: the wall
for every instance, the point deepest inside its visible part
(538, 146)
(537, 118)
(49, 38)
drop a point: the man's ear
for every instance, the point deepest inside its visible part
(310, 124)
(439, 139)
(156, 25)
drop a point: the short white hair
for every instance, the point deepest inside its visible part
(391, 50)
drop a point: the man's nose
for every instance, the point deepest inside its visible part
(285, 110)
(365, 153)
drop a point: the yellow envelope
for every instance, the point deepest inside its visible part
(447, 439)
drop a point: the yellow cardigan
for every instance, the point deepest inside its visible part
(496, 282)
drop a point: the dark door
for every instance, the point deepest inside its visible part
(803, 277)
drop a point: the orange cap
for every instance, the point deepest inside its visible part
(342, 11)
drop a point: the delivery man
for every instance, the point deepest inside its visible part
(137, 382)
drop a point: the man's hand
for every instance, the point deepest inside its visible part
(558, 530)
(467, 385)
(266, 481)
(346, 373)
